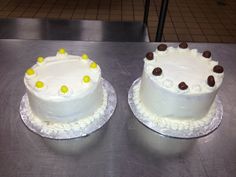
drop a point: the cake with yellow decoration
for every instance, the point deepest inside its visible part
(64, 88)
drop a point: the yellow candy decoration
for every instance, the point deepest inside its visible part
(64, 89)
(86, 79)
(39, 84)
(62, 51)
(40, 59)
(84, 56)
(93, 65)
(30, 72)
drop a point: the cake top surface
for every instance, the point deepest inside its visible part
(62, 75)
(183, 70)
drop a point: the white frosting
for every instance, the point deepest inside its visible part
(81, 100)
(161, 94)
(55, 127)
(166, 122)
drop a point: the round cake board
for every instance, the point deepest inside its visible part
(165, 126)
(80, 128)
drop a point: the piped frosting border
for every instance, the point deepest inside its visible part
(174, 128)
(75, 129)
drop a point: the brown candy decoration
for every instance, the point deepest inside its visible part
(218, 69)
(183, 45)
(157, 71)
(211, 81)
(206, 54)
(162, 47)
(149, 55)
(183, 86)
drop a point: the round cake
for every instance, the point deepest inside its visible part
(64, 88)
(179, 83)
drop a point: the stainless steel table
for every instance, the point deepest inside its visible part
(78, 30)
(124, 147)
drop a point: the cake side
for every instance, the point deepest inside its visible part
(179, 82)
(64, 88)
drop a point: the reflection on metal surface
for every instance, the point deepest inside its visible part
(156, 143)
(34, 28)
(76, 146)
(86, 30)
(81, 30)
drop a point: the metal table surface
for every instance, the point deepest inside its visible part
(77, 30)
(123, 147)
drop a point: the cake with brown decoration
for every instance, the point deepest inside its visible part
(178, 87)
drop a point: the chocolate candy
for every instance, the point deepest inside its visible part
(183, 45)
(183, 86)
(211, 81)
(162, 47)
(218, 69)
(206, 54)
(149, 56)
(157, 71)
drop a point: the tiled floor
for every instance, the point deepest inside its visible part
(187, 20)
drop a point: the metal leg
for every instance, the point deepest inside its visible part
(161, 21)
(146, 11)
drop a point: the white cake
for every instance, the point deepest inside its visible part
(178, 83)
(64, 88)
